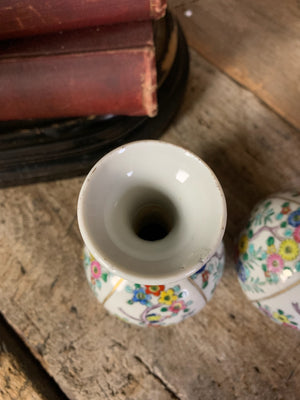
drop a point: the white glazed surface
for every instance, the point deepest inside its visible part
(269, 258)
(156, 305)
(120, 181)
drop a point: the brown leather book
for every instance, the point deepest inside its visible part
(33, 17)
(101, 70)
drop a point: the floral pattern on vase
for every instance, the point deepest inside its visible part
(154, 305)
(269, 258)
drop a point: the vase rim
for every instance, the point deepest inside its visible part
(119, 183)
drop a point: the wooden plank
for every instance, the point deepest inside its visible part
(21, 376)
(257, 43)
(13, 383)
(229, 350)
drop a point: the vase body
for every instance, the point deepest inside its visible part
(154, 305)
(269, 258)
(152, 216)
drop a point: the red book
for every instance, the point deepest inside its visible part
(104, 70)
(33, 17)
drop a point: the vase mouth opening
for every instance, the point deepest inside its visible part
(153, 222)
(151, 212)
(152, 215)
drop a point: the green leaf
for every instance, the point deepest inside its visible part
(104, 276)
(283, 224)
(267, 204)
(137, 285)
(280, 312)
(250, 233)
(204, 284)
(164, 309)
(176, 288)
(267, 219)
(186, 310)
(130, 302)
(270, 241)
(128, 289)
(245, 256)
(264, 267)
(286, 204)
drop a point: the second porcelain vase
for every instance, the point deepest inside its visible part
(152, 216)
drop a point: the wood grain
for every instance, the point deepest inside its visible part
(13, 383)
(229, 350)
(257, 43)
(21, 375)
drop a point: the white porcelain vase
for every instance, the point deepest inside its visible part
(269, 258)
(152, 216)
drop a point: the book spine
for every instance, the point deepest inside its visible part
(104, 37)
(80, 84)
(20, 18)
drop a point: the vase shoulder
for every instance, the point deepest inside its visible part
(160, 304)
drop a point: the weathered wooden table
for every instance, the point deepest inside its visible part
(241, 115)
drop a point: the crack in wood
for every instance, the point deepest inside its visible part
(158, 378)
(101, 388)
(42, 346)
(54, 282)
(69, 228)
(116, 343)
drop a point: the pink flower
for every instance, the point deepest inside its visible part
(177, 305)
(290, 325)
(296, 234)
(274, 263)
(95, 269)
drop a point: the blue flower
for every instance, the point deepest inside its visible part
(243, 273)
(194, 276)
(140, 296)
(294, 218)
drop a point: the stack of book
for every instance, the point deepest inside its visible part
(80, 77)
(78, 57)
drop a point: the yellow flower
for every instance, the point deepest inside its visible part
(243, 244)
(271, 249)
(289, 249)
(280, 317)
(153, 317)
(167, 297)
